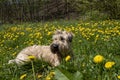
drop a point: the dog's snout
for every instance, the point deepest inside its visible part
(55, 45)
(54, 48)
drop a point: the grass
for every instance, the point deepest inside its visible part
(91, 39)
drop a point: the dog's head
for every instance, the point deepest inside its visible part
(61, 42)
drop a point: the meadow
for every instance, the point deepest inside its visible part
(96, 46)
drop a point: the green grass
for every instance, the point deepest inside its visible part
(91, 39)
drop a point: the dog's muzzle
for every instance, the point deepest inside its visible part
(54, 48)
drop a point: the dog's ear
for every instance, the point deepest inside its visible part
(70, 36)
(58, 32)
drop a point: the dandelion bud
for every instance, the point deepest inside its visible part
(23, 76)
(31, 57)
(67, 58)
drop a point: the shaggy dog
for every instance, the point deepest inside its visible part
(53, 53)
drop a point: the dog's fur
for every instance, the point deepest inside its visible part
(53, 54)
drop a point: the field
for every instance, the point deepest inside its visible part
(96, 47)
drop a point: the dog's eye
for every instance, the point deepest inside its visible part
(55, 39)
(61, 38)
(70, 39)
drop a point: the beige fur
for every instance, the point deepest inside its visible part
(53, 54)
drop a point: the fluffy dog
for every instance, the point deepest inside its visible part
(53, 53)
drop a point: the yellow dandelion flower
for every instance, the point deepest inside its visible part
(49, 33)
(98, 59)
(23, 76)
(109, 65)
(67, 58)
(31, 57)
(118, 76)
(96, 38)
(50, 76)
(52, 73)
(14, 53)
(22, 33)
(39, 76)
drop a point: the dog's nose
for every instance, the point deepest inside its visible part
(55, 45)
(54, 48)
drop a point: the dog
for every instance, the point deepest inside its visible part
(53, 53)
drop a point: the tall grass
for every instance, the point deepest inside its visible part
(91, 39)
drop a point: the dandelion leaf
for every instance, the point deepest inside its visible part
(60, 76)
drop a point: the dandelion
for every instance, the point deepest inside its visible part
(118, 76)
(23, 76)
(98, 59)
(39, 76)
(67, 58)
(96, 38)
(22, 33)
(50, 76)
(31, 57)
(49, 33)
(109, 65)
(14, 53)
(52, 73)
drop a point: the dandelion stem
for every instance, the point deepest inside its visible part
(33, 70)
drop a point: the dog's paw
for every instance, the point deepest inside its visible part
(11, 61)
